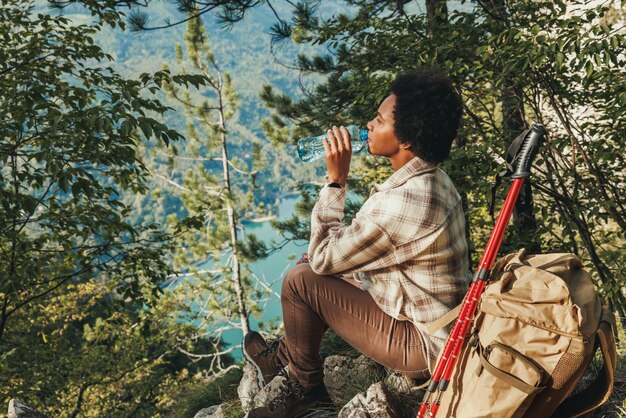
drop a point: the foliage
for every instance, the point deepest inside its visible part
(69, 137)
(227, 11)
(249, 62)
(82, 326)
(92, 354)
(219, 390)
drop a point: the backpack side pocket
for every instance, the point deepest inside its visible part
(504, 385)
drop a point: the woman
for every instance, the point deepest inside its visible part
(399, 265)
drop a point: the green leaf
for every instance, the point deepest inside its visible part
(605, 28)
(145, 127)
(125, 128)
(28, 203)
(76, 188)
(588, 68)
(614, 42)
(54, 115)
(597, 59)
(560, 57)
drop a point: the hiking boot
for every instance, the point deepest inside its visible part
(263, 356)
(294, 401)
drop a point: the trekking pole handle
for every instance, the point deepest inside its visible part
(528, 151)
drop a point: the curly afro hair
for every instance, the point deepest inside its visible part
(427, 112)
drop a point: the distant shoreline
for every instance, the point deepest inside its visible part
(268, 218)
(259, 220)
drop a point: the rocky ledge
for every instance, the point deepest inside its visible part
(392, 395)
(359, 388)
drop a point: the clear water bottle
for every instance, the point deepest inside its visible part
(312, 148)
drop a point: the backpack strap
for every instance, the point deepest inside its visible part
(498, 267)
(438, 324)
(600, 389)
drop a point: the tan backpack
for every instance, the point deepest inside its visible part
(535, 333)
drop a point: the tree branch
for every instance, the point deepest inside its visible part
(171, 182)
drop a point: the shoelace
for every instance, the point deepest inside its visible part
(287, 389)
(270, 348)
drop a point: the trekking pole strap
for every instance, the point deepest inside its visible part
(518, 159)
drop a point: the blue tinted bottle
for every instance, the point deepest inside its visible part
(312, 148)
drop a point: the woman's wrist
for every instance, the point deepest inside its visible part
(340, 181)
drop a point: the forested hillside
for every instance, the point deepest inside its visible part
(243, 51)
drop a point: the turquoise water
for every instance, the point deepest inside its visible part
(273, 268)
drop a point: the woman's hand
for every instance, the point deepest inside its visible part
(338, 154)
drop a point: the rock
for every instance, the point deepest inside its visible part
(367, 365)
(399, 383)
(248, 387)
(343, 377)
(336, 377)
(18, 409)
(340, 373)
(269, 392)
(206, 412)
(215, 411)
(374, 403)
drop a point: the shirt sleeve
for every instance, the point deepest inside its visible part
(336, 248)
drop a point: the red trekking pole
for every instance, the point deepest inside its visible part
(525, 152)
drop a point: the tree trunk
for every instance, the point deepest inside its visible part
(437, 15)
(513, 123)
(3, 316)
(232, 224)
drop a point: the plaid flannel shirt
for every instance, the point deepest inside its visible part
(406, 246)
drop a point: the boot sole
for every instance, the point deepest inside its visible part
(260, 379)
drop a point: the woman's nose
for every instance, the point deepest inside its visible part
(369, 126)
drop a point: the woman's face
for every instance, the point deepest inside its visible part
(382, 139)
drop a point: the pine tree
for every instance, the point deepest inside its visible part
(216, 188)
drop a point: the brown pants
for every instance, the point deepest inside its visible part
(311, 303)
